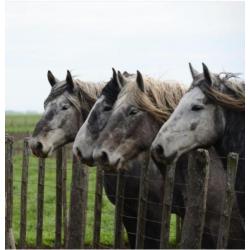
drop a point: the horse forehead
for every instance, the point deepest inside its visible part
(194, 94)
(99, 101)
(97, 105)
(53, 104)
(123, 102)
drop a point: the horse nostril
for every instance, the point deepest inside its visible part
(104, 157)
(159, 150)
(79, 154)
(39, 146)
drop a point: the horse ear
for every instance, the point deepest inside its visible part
(207, 74)
(52, 80)
(114, 74)
(121, 80)
(140, 81)
(115, 78)
(69, 80)
(193, 71)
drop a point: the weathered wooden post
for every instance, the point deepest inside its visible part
(40, 202)
(9, 237)
(58, 230)
(178, 228)
(224, 228)
(98, 207)
(77, 212)
(198, 174)
(64, 197)
(118, 234)
(142, 205)
(167, 205)
(24, 190)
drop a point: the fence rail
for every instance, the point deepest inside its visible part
(71, 217)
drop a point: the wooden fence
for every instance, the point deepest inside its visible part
(70, 222)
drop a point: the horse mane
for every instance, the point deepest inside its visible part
(91, 88)
(82, 90)
(226, 91)
(159, 98)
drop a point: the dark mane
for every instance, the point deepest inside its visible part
(111, 91)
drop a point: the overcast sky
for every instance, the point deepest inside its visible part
(89, 38)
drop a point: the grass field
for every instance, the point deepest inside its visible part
(20, 126)
(20, 123)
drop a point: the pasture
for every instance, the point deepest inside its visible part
(20, 126)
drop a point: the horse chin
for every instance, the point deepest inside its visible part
(89, 162)
(118, 165)
(40, 154)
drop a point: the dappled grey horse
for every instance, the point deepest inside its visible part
(83, 147)
(65, 109)
(212, 112)
(142, 106)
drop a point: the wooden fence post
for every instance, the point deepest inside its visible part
(98, 207)
(40, 202)
(198, 174)
(178, 228)
(120, 185)
(167, 205)
(142, 204)
(64, 197)
(58, 232)
(224, 228)
(9, 237)
(24, 190)
(77, 213)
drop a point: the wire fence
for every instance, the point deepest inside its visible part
(60, 203)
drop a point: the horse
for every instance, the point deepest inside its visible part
(212, 112)
(66, 108)
(142, 106)
(83, 148)
(97, 118)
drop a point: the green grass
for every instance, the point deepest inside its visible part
(20, 123)
(19, 126)
(49, 203)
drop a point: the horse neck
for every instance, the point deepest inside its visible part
(233, 139)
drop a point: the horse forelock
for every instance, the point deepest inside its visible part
(227, 90)
(92, 90)
(159, 98)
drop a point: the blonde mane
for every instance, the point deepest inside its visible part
(91, 88)
(159, 98)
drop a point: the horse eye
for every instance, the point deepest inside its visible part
(133, 111)
(107, 108)
(197, 107)
(65, 107)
